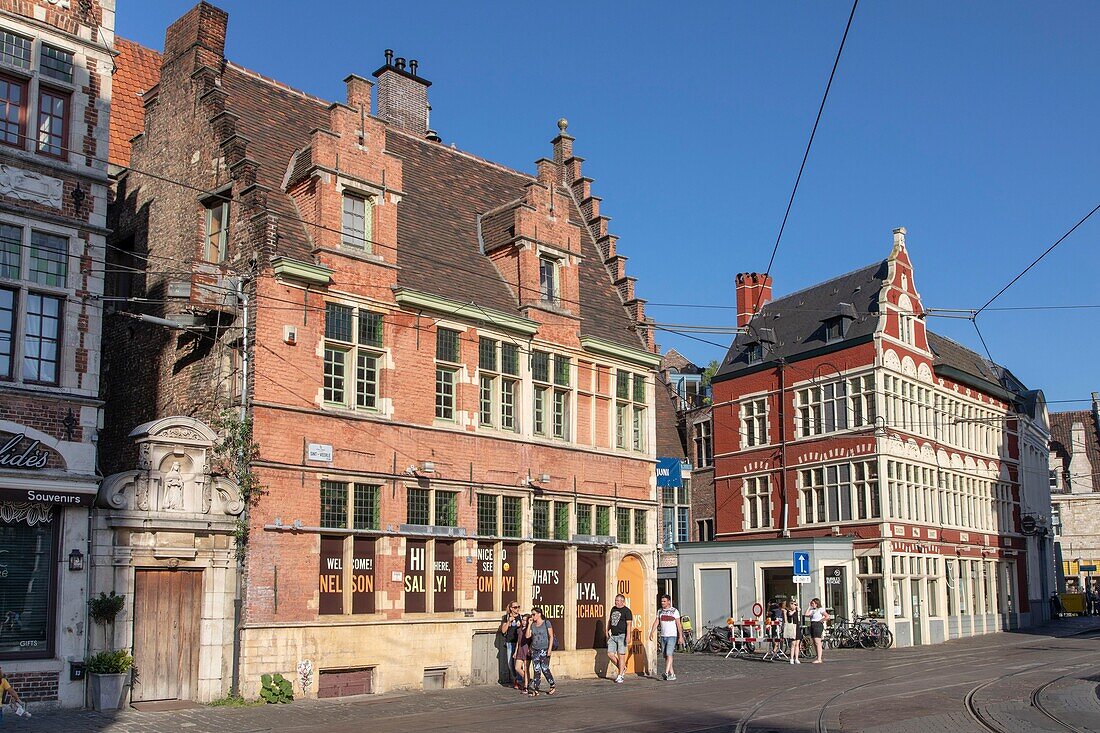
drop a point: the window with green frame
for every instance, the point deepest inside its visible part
(540, 519)
(622, 525)
(353, 339)
(511, 514)
(584, 519)
(419, 510)
(446, 508)
(487, 515)
(561, 520)
(365, 506)
(334, 504)
(640, 527)
(603, 520)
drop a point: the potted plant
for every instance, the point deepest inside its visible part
(104, 609)
(108, 672)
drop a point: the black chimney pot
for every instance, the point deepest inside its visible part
(389, 56)
(413, 63)
(400, 63)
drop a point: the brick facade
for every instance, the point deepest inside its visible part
(866, 435)
(450, 247)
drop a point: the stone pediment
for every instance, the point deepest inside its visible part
(173, 478)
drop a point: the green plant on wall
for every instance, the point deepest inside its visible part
(104, 608)
(275, 689)
(233, 456)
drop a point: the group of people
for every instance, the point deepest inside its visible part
(786, 629)
(529, 640)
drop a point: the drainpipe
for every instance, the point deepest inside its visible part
(242, 297)
(785, 532)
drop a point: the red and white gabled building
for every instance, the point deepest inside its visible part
(837, 413)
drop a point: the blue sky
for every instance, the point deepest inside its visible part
(974, 125)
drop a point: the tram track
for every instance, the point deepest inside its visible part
(1034, 700)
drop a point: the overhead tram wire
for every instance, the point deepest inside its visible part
(1038, 259)
(806, 155)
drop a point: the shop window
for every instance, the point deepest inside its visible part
(28, 588)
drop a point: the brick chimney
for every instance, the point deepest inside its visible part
(403, 96)
(1080, 469)
(754, 291)
(201, 32)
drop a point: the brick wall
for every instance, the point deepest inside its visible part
(35, 686)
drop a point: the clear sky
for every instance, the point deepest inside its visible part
(973, 124)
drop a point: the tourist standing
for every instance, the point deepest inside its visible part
(522, 659)
(792, 630)
(540, 635)
(818, 616)
(774, 629)
(620, 624)
(668, 622)
(509, 629)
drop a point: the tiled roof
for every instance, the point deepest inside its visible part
(793, 324)
(277, 121)
(444, 192)
(137, 70)
(1061, 433)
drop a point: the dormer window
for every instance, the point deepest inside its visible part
(836, 322)
(356, 225)
(548, 280)
(755, 353)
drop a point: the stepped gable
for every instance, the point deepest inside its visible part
(795, 321)
(137, 70)
(445, 191)
(1061, 437)
(608, 263)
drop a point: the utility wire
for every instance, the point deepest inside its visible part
(806, 155)
(1038, 259)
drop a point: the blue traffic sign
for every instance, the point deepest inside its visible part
(801, 563)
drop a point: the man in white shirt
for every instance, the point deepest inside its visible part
(672, 632)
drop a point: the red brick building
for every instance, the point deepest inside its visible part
(438, 356)
(55, 85)
(837, 413)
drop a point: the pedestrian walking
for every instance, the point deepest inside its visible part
(8, 694)
(522, 660)
(668, 622)
(818, 616)
(540, 636)
(792, 630)
(620, 624)
(509, 629)
(1090, 600)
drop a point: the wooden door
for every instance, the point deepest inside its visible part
(167, 607)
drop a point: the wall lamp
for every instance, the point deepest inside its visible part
(76, 560)
(425, 467)
(542, 478)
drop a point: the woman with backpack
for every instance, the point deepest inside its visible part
(792, 630)
(540, 636)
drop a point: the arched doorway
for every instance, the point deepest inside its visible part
(630, 581)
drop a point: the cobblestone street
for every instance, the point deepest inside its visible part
(1013, 681)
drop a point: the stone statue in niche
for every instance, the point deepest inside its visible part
(173, 488)
(144, 464)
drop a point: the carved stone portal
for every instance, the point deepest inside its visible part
(173, 473)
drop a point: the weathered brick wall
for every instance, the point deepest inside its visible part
(86, 16)
(35, 686)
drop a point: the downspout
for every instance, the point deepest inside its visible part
(785, 532)
(242, 297)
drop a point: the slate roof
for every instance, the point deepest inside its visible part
(1061, 433)
(137, 70)
(793, 326)
(794, 323)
